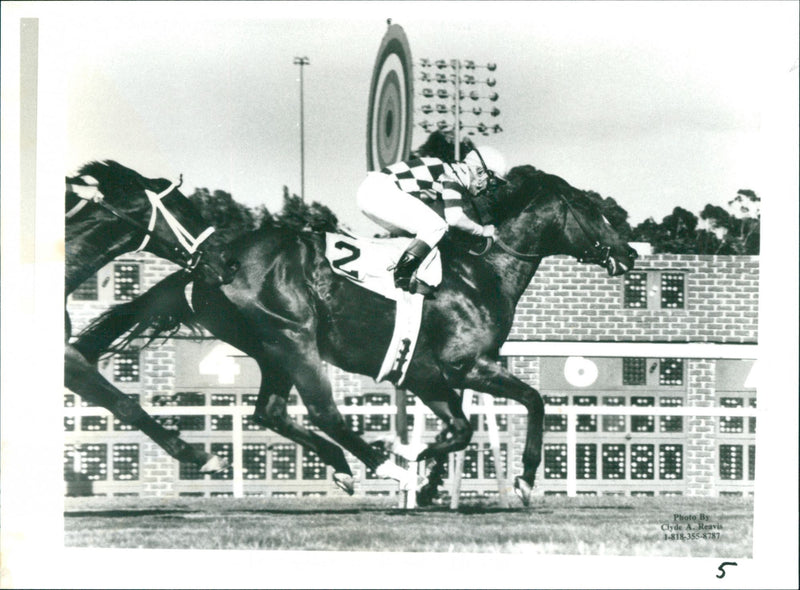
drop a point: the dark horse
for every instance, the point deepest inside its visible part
(111, 210)
(287, 310)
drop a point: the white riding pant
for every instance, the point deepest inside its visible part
(381, 200)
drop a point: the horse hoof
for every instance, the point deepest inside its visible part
(523, 489)
(425, 454)
(409, 452)
(407, 478)
(345, 481)
(215, 464)
(426, 495)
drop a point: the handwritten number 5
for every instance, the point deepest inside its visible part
(721, 568)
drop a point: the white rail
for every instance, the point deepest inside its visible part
(571, 411)
(417, 410)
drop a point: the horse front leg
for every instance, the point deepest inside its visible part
(82, 378)
(488, 376)
(271, 412)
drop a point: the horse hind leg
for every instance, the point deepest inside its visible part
(271, 412)
(436, 470)
(315, 390)
(83, 379)
(456, 435)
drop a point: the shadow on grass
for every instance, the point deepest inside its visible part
(186, 514)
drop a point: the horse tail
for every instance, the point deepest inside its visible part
(157, 313)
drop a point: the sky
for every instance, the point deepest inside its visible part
(655, 104)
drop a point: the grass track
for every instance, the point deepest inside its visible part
(551, 525)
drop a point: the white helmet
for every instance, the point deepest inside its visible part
(490, 158)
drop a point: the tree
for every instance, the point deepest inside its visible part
(677, 233)
(728, 232)
(298, 214)
(738, 230)
(229, 217)
(745, 234)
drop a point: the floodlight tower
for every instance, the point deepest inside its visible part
(462, 75)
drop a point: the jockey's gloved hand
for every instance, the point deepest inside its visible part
(488, 231)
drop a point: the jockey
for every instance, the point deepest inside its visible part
(399, 198)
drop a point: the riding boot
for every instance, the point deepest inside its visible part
(409, 262)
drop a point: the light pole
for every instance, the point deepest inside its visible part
(302, 61)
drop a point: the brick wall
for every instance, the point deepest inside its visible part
(527, 369)
(700, 442)
(159, 471)
(569, 301)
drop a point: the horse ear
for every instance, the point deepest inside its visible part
(155, 185)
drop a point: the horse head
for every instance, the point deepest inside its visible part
(160, 218)
(539, 214)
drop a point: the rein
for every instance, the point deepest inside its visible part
(489, 242)
(519, 255)
(190, 244)
(600, 254)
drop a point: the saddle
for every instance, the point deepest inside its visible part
(366, 262)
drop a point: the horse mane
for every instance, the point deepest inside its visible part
(116, 181)
(441, 145)
(523, 184)
(109, 171)
(527, 184)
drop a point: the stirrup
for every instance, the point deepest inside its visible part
(417, 286)
(401, 279)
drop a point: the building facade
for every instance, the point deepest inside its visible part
(665, 356)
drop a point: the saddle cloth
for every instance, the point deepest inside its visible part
(365, 262)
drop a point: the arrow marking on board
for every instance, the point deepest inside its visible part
(220, 362)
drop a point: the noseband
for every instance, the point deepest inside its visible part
(89, 193)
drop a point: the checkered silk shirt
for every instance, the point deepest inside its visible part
(429, 179)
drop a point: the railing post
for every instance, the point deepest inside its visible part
(494, 443)
(237, 452)
(458, 458)
(572, 454)
(408, 498)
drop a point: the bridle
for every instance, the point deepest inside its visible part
(595, 254)
(88, 192)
